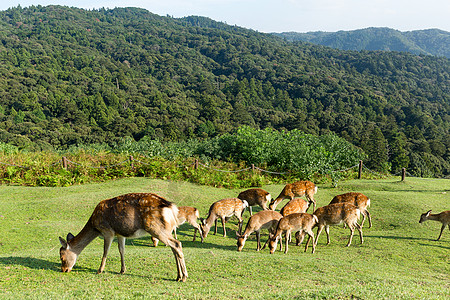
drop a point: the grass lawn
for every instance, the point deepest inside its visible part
(399, 259)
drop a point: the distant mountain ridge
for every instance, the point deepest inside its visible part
(429, 42)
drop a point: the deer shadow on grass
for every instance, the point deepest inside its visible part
(41, 264)
(410, 238)
(186, 238)
(30, 262)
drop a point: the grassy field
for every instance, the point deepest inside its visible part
(399, 259)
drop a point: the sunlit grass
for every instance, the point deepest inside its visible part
(399, 259)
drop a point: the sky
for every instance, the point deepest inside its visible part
(286, 15)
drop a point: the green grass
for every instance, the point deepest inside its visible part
(399, 259)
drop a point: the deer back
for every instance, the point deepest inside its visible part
(255, 196)
(296, 205)
(337, 213)
(186, 213)
(358, 199)
(129, 213)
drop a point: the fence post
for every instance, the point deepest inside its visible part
(403, 174)
(64, 162)
(360, 169)
(253, 168)
(131, 161)
(196, 164)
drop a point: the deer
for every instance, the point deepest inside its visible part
(255, 197)
(361, 201)
(296, 205)
(189, 214)
(335, 214)
(126, 216)
(300, 222)
(265, 219)
(223, 209)
(296, 189)
(443, 217)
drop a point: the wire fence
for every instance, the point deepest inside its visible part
(65, 163)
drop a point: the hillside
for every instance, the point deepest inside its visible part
(71, 76)
(429, 42)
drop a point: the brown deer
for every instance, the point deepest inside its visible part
(189, 214)
(443, 217)
(223, 209)
(335, 214)
(255, 197)
(361, 201)
(296, 189)
(301, 222)
(296, 205)
(265, 219)
(126, 216)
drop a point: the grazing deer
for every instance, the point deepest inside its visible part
(296, 205)
(265, 219)
(126, 216)
(335, 214)
(301, 222)
(223, 209)
(296, 189)
(255, 197)
(443, 217)
(189, 214)
(361, 201)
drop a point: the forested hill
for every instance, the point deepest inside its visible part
(72, 76)
(430, 41)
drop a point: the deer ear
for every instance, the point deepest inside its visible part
(69, 237)
(428, 212)
(202, 221)
(63, 243)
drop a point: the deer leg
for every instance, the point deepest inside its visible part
(300, 236)
(177, 250)
(215, 226)
(319, 230)
(442, 230)
(360, 232)
(352, 230)
(108, 238)
(240, 224)
(258, 240)
(175, 232)
(223, 225)
(327, 231)
(368, 217)
(155, 241)
(121, 242)
(288, 238)
(311, 236)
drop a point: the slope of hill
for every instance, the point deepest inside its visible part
(71, 76)
(430, 42)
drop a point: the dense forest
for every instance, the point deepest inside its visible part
(70, 76)
(429, 42)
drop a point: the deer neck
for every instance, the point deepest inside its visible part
(210, 220)
(84, 238)
(433, 217)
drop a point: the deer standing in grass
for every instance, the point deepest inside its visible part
(296, 189)
(265, 219)
(361, 201)
(127, 216)
(443, 217)
(335, 214)
(255, 197)
(189, 214)
(223, 209)
(297, 222)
